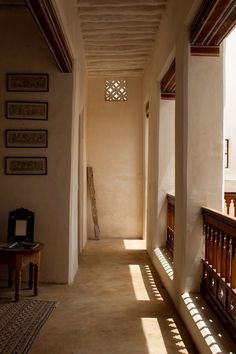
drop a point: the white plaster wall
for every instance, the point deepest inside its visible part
(68, 15)
(166, 160)
(197, 152)
(230, 110)
(48, 196)
(115, 151)
(175, 16)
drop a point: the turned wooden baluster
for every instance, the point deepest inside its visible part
(173, 213)
(207, 235)
(234, 201)
(228, 260)
(168, 219)
(228, 202)
(224, 257)
(219, 253)
(214, 248)
(233, 271)
(211, 245)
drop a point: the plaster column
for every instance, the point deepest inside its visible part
(199, 157)
(166, 165)
(153, 168)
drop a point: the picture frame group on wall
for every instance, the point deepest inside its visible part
(27, 82)
(26, 110)
(25, 165)
(26, 138)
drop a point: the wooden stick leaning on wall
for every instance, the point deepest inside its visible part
(93, 201)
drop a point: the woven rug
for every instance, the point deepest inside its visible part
(20, 322)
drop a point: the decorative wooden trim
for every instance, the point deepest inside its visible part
(168, 96)
(170, 232)
(171, 199)
(147, 109)
(224, 305)
(205, 51)
(213, 22)
(220, 220)
(47, 20)
(168, 83)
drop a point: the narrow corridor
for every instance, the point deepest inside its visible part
(116, 305)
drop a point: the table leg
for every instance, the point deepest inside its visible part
(31, 274)
(36, 279)
(17, 285)
(9, 277)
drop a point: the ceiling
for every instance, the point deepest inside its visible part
(119, 35)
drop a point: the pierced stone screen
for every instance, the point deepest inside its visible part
(116, 90)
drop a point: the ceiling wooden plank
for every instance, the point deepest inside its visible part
(102, 3)
(119, 34)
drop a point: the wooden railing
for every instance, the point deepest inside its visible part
(170, 223)
(219, 265)
(230, 202)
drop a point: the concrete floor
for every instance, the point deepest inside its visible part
(117, 305)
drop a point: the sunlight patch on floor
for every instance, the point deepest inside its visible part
(155, 336)
(153, 284)
(154, 339)
(180, 346)
(138, 283)
(134, 244)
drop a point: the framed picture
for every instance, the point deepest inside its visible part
(26, 138)
(25, 165)
(28, 82)
(27, 110)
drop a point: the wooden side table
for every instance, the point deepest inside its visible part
(17, 259)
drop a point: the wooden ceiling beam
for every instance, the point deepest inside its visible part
(168, 83)
(129, 11)
(46, 18)
(214, 20)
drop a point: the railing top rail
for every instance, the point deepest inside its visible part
(220, 220)
(230, 194)
(171, 199)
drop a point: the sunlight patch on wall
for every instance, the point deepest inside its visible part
(165, 264)
(202, 326)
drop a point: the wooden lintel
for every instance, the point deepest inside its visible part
(168, 83)
(168, 96)
(47, 20)
(205, 51)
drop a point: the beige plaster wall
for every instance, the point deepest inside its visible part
(115, 151)
(48, 196)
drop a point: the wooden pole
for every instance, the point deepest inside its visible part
(93, 201)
